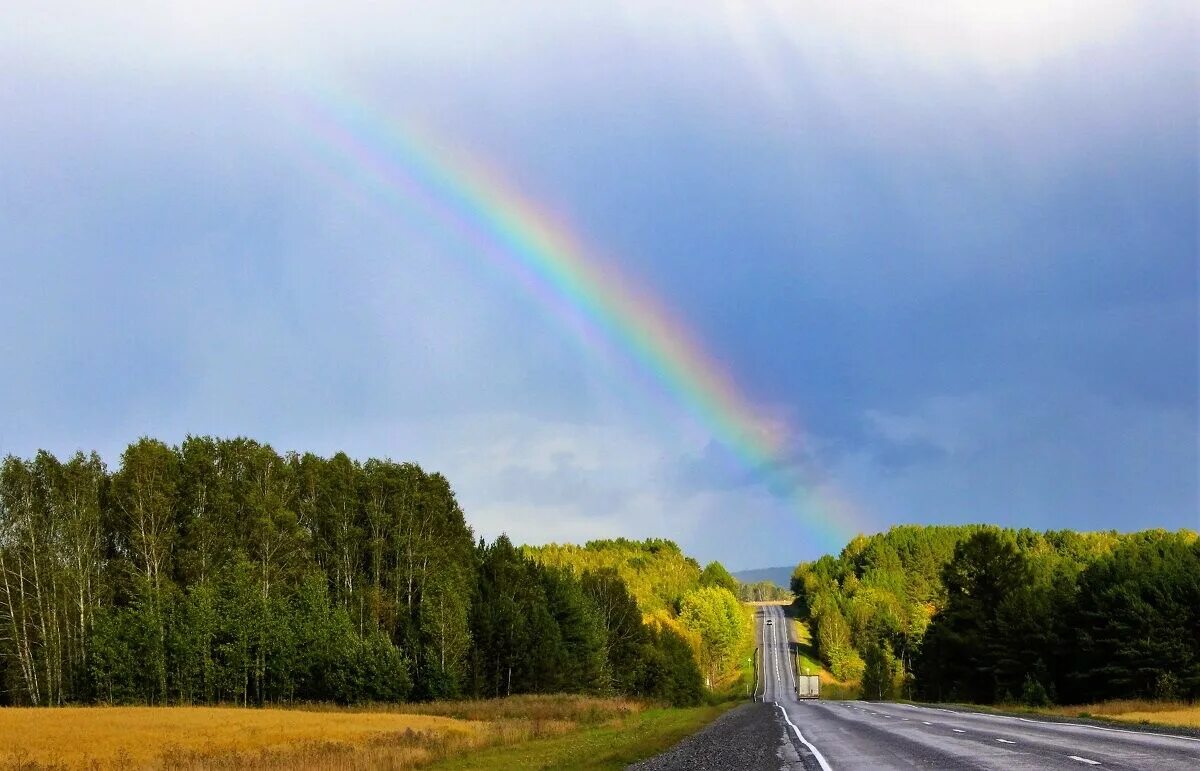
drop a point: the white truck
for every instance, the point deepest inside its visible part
(808, 686)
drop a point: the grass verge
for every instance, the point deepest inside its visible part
(613, 745)
(1172, 714)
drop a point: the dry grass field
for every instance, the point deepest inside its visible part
(1167, 713)
(407, 736)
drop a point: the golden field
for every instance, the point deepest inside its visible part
(1166, 713)
(406, 736)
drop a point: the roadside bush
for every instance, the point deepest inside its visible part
(1033, 693)
(847, 665)
(1166, 686)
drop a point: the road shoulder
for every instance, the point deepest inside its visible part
(752, 736)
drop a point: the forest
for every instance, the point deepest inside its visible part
(989, 615)
(220, 571)
(763, 591)
(677, 596)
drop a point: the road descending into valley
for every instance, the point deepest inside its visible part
(883, 735)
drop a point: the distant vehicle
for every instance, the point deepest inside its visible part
(769, 622)
(808, 687)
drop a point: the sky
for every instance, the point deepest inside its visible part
(942, 256)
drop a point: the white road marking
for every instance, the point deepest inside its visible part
(958, 730)
(1006, 741)
(926, 722)
(1053, 723)
(1084, 760)
(816, 753)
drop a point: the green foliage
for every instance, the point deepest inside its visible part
(882, 675)
(655, 570)
(968, 637)
(762, 591)
(715, 574)
(847, 664)
(1092, 623)
(1134, 621)
(1033, 694)
(540, 629)
(1166, 686)
(623, 629)
(222, 571)
(718, 620)
(368, 669)
(980, 613)
(631, 581)
(669, 671)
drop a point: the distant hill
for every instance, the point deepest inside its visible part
(781, 576)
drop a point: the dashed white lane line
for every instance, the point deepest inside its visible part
(1069, 725)
(926, 722)
(958, 730)
(1006, 741)
(1084, 760)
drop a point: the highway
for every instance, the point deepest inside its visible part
(882, 735)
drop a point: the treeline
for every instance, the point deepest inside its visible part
(656, 571)
(222, 571)
(673, 593)
(985, 614)
(763, 591)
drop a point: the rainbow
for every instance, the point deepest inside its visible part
(398, 165)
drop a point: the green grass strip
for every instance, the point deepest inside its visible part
(611, 746)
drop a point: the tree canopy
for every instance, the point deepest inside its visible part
(657, 572)
(222, 571)
(671, 592)
(985, 614)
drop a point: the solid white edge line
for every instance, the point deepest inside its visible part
(967, 713)
(1084, 760)
(816, 752)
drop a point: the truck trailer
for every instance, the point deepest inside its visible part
(808, 687)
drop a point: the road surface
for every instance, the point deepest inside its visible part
(882, 735)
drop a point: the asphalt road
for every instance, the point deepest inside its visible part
(881, 735)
